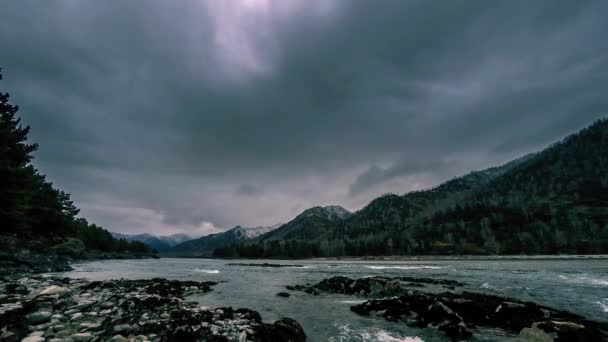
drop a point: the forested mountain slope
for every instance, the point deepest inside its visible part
(159, 243)
(310, 224)
(554, 201)
(204, 246)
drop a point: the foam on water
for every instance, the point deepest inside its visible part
(347, 333)
(207, 271)
(592, 281)
(353, 301)
(422, 267)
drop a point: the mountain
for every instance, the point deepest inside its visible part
(310, 224)
(204, 246)
(554, 201)
(159, 243)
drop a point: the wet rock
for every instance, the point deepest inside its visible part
(285, 329)
(136, 310)
(371, 286)
(534, 335)
(33, 339)
(39, 317)
(15, 288)
(439, 312)
(571, 331)
(283, 294)
(517, 316)
(119, 338)
(82, 337)
(457, 314)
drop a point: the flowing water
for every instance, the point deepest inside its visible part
(580, 286)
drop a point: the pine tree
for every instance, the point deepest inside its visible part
(15, 170)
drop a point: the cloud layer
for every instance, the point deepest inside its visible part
(196, 116)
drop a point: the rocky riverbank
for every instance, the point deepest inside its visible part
(458, 314)
(39, 308)
(26, 261)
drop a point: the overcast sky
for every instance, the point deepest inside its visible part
(195, 116)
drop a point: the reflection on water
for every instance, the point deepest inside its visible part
(580, 286)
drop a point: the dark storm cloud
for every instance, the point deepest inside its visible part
(377, 175)
(162, 116)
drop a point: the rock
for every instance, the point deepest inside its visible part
(516, 316)
(39, 317)
(453, 313)
(439, 312)
(534, 335)
(15, 288)
(183, 334)
(76, 316)
(122, 328)
(286, 329)
(82, 337)
(338, 284)
(33, 339)
(119, 338)
(571, 331)
(283, 294)
(53, 290)
(152, 309)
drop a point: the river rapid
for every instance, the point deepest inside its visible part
(579, 286)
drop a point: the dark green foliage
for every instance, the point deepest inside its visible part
(31, 209)
(551, 202)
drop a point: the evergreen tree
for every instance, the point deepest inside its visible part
(15, 171)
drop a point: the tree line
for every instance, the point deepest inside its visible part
(31, 207)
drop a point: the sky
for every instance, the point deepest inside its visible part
(195, 116)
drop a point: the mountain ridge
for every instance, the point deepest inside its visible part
(552, 201)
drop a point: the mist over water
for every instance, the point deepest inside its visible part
(580, 286)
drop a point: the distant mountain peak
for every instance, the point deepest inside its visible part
(330, 211)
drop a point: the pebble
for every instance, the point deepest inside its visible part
(82, 337)
(119, 338)
(33, 339)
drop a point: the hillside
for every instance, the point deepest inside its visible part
(204, 246)
(554, 201)
(159, 243)
(310, 224)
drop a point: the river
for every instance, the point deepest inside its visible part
(580, 286)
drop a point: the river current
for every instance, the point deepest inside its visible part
(579, 286)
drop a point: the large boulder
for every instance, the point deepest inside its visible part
(285, 330)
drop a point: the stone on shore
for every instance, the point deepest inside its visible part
(126, 310)
(53, 290)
